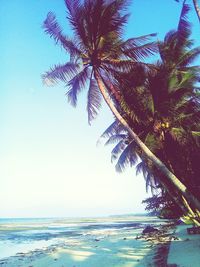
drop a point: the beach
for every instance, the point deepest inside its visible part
(110, 241)
(115, 241)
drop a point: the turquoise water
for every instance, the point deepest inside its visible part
(25, 235)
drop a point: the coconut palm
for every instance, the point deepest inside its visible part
(97, 52)
(165, 112)
(127, 154)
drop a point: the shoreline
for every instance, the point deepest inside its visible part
(160, 241)
(168, 246)
(97, 246)
(174, 247)
(184, 249)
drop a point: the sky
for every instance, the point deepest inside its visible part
(50, 165)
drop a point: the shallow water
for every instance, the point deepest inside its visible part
(24, 235)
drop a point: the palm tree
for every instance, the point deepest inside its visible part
(165, 112)
(126, 153)
(97, 51)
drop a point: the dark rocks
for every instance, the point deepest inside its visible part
(149, 229)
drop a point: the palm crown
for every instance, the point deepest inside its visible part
(97, 48)
(165, 111)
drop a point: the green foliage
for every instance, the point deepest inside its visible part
(162, 107)
(163, 207)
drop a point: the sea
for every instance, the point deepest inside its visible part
(22, 235)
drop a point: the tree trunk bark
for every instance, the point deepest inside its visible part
(156, 161)
(197, 9)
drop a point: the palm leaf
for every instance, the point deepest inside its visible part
(127, 157)
(141, 168)
(152, 142)
(76, 16)
(115, 138)
(60, 72)
(184, 27)
(76, 84)
(52, 28)
(119, 65)
(178, 134)
(189, 57)
(73, 6)
(117, 150)
(196, 136)
(112, 18)
(115, 128)
(94, 100)
(137, 41)
(141, 52)
(195, 133)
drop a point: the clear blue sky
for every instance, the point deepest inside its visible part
(50, 165)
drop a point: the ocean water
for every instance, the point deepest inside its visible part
(26, 235)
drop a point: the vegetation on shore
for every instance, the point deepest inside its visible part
(156, 105)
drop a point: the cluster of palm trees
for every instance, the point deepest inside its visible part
(156, 106)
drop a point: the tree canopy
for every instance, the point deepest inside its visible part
(156, 105)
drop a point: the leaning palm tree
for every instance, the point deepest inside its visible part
(126, 153)
(164, 111)
(96, 52)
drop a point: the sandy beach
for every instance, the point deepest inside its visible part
(113, 242)
(100, 243)
(184, 249)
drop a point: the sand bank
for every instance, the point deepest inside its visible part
(185, 249)
(96, 244)
(103, 248)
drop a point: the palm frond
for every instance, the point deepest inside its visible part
(141, 168)
(76, 17)
(127, 158)
(118, 5)
(119, 65)
(150, 182)
(189, 57)
(115, 128)
(72, 6)
(196, 136)
(149, 178)
(117, 150)
(141, 52)
(184, 26)
(152, 142)
(169, 38)
(178, 134)
(137, 41)
(52, 28)
(61, 72)
(94, 100)
(76, 84)
(116, 138)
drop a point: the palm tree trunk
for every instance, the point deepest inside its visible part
(157, 162)
(183, 204)
(197, 9)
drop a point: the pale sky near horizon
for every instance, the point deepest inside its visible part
(50, 164)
